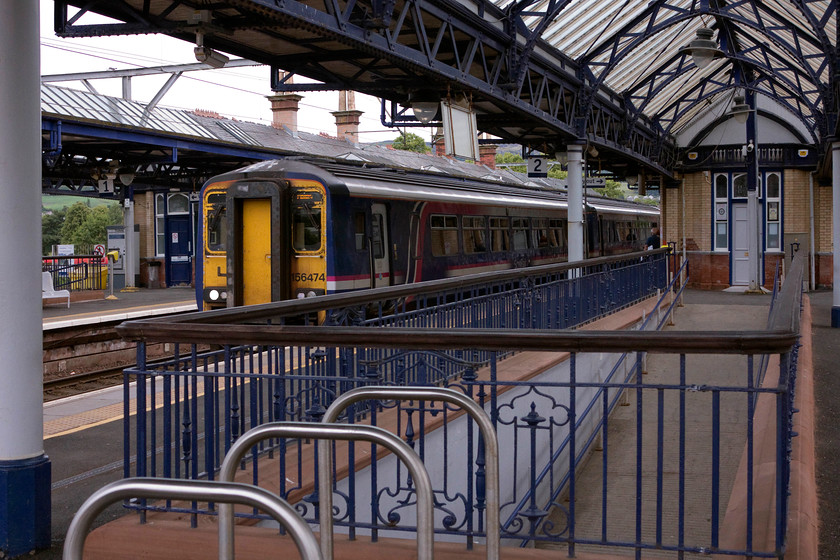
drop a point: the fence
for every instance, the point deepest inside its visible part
(77, 272)
(272, 366)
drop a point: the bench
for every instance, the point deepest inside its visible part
(47, 290)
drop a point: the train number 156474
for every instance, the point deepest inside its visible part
(304, 277)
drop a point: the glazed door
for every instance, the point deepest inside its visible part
(740, 255)
(179, 251)
(256, 251)
(380, 256)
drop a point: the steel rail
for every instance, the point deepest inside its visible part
(491, 445)
(197, 490)
(344, 432)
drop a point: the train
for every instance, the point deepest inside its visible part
(302, 227)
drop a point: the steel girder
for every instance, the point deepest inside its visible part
(805, 75)
(523, 91)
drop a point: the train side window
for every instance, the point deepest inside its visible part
(359, 230)
(444, 235)
(216, 211)
(475, 234)
(499, 234)
(541, 233)
(557, 235)
(520, 233)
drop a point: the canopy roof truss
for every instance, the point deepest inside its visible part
(543, 73)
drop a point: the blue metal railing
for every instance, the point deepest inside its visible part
(267, 369)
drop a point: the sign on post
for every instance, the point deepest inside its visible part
(537, 166)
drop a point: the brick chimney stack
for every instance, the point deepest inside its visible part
(487, 155)
(284, 108)
(347, 118)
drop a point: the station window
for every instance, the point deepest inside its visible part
(160, 225)
(444, 235)
(774, 211)
(721, 210)
(475, 234)
(178, 203)
(520, 233)
(499, 234)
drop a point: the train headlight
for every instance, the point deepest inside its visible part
(215, 295)
(301, 295)
(310, 293)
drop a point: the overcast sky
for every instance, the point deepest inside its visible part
(238, 92)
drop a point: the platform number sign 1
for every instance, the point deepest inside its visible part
(537, 166)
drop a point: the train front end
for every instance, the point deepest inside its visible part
(263, 240)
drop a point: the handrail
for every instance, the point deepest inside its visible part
(209, 490)
(345, 432)
(695, 342)
(491, 445)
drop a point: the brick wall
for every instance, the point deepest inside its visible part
(698, 211)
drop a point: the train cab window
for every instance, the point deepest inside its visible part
(306, 221)
(444, 235)
(359, 230)
(475, 234)
(216, 219)
(499, 234)
(520, 233)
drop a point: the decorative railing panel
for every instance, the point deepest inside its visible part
(269, 369)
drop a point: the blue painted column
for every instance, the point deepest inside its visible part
(24, 468)
(574, 183)
(835, 232)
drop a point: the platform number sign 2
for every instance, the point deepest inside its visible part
(537, 166)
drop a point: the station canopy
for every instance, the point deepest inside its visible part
(626, 77)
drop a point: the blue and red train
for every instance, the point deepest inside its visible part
(295, 228)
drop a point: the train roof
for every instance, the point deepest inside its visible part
(371, 179)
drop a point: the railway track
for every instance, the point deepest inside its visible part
(81, 359)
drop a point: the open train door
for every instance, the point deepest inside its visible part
(379, 255)
(258, 242)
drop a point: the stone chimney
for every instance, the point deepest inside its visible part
(347, 118)
(487, 155)
(284, 108)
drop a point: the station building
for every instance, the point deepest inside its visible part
(704, 211)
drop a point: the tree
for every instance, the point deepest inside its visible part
(410, 142)
(51, 230)
(508, 158)
(612, 189)
(82, 225)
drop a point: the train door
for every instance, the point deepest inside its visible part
(256, 251)
(379, 243)
(257, 242)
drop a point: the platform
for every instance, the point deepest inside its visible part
(127, 305)
(102, 415)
